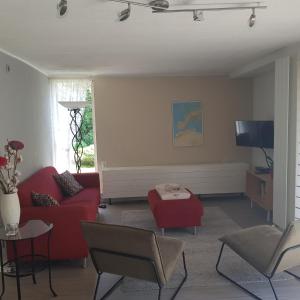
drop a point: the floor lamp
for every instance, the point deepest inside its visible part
(74, 108)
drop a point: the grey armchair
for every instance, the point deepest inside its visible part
(267, 249)
(133, 252)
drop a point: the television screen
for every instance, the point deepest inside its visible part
(255, 133)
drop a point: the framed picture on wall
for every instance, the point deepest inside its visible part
(187, 123)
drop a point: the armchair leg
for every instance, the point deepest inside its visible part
(159, 285)
(292, 274)
(159, 293)
(109, 291)
(236, 283)
(184, 278)
(97, 285)
(84, 263)
(275, 295)
(181, 283)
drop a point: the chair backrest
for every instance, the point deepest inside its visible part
(124, 251)
(287, 253)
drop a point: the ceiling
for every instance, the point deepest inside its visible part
(89, 40)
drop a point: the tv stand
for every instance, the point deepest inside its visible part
(259, 189)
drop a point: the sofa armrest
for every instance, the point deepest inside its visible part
(67, 241)
(88, 180)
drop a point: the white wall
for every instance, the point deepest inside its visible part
(282, 125)
(25, 112)
(294, 208)
(286, 105)
(263, 108)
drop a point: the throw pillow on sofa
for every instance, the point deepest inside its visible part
(43, 200)
(68, 183)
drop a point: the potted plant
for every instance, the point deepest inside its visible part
(9, 179)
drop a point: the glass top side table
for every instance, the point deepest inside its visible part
(29, 231)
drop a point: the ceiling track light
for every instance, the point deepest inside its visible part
(162, 6)
(198, 15)
(158, 5)
(125, 14)
(62, 7)
(252, 18)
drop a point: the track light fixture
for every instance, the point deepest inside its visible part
(162, 6)
(198, 15)
(252, 18)
(62, 7)
(124, 14)
(158, 5)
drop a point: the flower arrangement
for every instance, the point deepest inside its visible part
(9, 176)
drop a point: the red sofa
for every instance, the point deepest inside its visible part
(67, 240)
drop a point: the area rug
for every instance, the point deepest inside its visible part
(201, 252)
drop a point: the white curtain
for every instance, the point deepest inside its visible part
(64, 90)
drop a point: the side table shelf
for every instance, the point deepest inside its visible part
(27, 265)
(259, 189)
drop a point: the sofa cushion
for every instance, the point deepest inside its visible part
(88, 197)
(68, 183)
(41, 182)
(43, 200)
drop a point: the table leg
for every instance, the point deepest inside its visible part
(195, 230)
(32, 261)
(49, 267)
(268, 216)
(2, 271)
(162, 231)
(17, 269)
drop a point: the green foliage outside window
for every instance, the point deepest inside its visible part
(87, 122)
(88, 134)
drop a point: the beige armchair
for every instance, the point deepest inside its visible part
(267, 249)
(133, 252)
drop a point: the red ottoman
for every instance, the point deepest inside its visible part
(175, 213)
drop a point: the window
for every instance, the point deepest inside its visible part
(63, 154)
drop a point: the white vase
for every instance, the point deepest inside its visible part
(10, 209)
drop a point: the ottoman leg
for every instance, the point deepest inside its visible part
(195, 230)
(162, 231)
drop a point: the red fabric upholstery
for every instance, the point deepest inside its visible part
(41, 182)
(67, 240)
(88, 180)
(85, 198)
(175, 213)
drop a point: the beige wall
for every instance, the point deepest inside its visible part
(134, 119)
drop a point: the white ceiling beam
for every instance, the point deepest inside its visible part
(266, 62)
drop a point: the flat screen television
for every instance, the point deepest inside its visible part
(255, 134)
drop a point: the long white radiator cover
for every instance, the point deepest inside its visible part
(126, 182)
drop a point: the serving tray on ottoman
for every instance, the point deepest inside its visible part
(175, 213)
